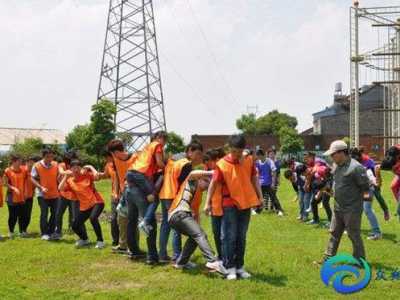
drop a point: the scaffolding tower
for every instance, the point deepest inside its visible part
(130, 72)
(375, 60)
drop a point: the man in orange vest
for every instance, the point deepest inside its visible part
(242, 193)
(44, 176)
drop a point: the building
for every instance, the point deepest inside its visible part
(10, 136)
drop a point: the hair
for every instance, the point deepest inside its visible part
(69, 156)
(260, 152)
(271, 150)
(390, 158)
(288, 173)
(215, 154)
(237, 141)
(206, 158)
(34, 158)
(15, 157)
(76, 163)
(159, 135)
(356, 154)
(46, 151)
(115, 145)
(194, 146)
(310, 153)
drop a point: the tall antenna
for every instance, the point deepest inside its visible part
(130, 73)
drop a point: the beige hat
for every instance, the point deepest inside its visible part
(336, 146)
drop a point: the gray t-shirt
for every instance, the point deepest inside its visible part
(185, 203)
(350, 182)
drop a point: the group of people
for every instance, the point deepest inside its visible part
(239, 183)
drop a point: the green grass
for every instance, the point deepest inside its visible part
(280, 252)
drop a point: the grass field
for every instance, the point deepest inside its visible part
(280, 252)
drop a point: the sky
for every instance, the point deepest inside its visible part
(218, 58)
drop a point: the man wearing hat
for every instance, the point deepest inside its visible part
(351, 186)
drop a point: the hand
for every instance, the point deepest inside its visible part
(207, 209)
(68, 172)
(44, 190)
(16, 191)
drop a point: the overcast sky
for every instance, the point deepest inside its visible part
(284, 55)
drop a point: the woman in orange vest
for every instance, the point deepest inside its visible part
(181, 217)
(243, 192)
(44, 176)
(15, 179)
(80, 181)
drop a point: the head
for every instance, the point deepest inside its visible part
(356, 154)
(272, 154)
(31, 161)
(194, 152)
(16, 161)
(161, 137)
(237, 143)
(76, 167)
(288, 174)
(309, 158)
(68, 157)
(203, 183)
(214, 155)
(48, 155)
(338, 151)
(116, 148)
(392, 156)
(260, 154)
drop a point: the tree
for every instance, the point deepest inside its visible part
(175, 143)
(290, 140)
(28, 147)
(247, 124)
(78, 137)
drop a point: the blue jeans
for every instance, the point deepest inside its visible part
(165, 229)
(373, 221)
(301, 195)
(234, 227)
(308, 196)
(216, 223)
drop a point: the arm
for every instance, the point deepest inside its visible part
(35, 180)
(256, 184)
(7, 183)
(361, 180)
(160, 160)
(93, 171)
(194, 175)
(211, 190)
(63, 183)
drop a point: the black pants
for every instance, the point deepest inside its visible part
(27, 215)
(61, 207)
(269, 193)
(114, 223)
(325, 202)
(93, 214)
(16, 213)
(47, 225)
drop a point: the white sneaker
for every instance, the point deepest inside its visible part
(253, 212)
(243, 274)
(376, 236)
(231, 274)
(280, 213)
(100, 245)
(188, 266)
(82, 243)
(217, 266)
(45, 237)
(145, 228)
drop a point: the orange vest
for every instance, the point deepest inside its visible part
(48, 179)
(216, 202)
(83, 190)
(29, 186)
(146, 160)
(121, 168)
(195, 203)
(1, 193)
(172, 172)
(16, 179)
(66, 194)
(237, 178)
(110, 173)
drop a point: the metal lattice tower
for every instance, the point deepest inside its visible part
(378, 63)
(130, 72)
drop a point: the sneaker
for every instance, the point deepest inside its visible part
(386, 215)
(231, 274)
(165, 259)
(188, 266)
(376, 236)
(241, 273)
(216, 266)
(312, 222)
(118, 249)
(299, 218)
(100, 245)
(56, 236)
(24, 234)
(145, 228)
(345, 232)
(371, 233)
(137, 255)
(82, 243)
(253, 212)
(152, 261)
(280, 213)
(45, 237)
(327, 225)
(11, 235)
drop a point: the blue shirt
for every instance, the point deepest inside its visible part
(265, 169)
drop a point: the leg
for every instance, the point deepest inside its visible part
(327, 207)
(314, 207)
(123, 225)
(176, 244)
(28, 213)
(133, 214)
(164, 228)
(216, 228)
(21, 217)
(242, 226)
(44, 212)
(380, 199)
(94, 220)
(12, 217)
(75, 214)
(373, 221)
(151, 211)
(336, 231)
(53, 203)
(61, 207)
(70, 215)
(79, 223)
(229, 233)
(274, 199)
(114, 223)
(353, 227)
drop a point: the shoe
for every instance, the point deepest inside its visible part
(280, 213)
(253, 212)
(312, 222)
(376, 236)
(145, 228)
(150, 198)
(241, 273)
(327, 225)
(188, 266)
(299, 217)
(100, 245)
(345, 232)
(165, 259)
(118, 249)
(45, 237)
(82, 243)
(137, 255)
(371, 233)
(56, 236)
(231, 274)
(216, 266)
(11, 235)
(24, 234)
(151, 261)
(386, 215)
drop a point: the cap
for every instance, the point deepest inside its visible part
(336, 146)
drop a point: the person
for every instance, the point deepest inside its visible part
(375, 233)
(15, 179)
(121, 161)
(298, 177)
(351, 187)
(182, 217)
(378, 192)
(29, 194)
(66, 199)
(80, 181)
(178, 168)
(267, 173)
(44, 176)
(1, 197)
(243, 192)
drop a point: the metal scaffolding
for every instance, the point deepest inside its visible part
(130, 73)
(380, 66)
